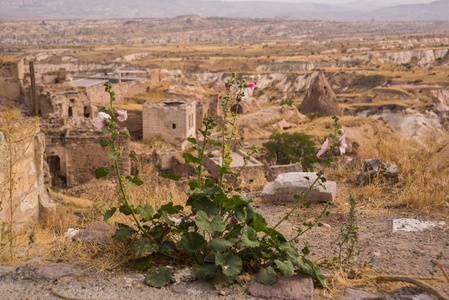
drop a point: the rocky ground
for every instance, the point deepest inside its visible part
(381, 250)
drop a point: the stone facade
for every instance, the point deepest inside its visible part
(123, 90)
(11, 80)
(74, 155)
(71, 105)
(29, 195)
(173, 120)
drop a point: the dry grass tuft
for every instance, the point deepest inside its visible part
(419, 188)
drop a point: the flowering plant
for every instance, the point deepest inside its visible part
(221, 234)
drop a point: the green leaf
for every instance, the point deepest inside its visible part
(231, 264)
(105, 130)
(189, 158)
(167, 247)
(146, 212)
(240, 213)
(133, 157)
(108, 214)
(123, 233)
(192, 241)
(267, 276)
(101, 172)
(171, 177)
(286, 267)
(193, 141)
(158, 277)
(170, 209)
(104, 143)
(202, 221)
(249, 237)
(206, 271)
(130, 186)
(259, 223)
(136, 180)
(143, 247)
(125, 209)
(125, 134)
(142, 263)
(203, 204)
(112, 155)
(166, 218)
(221, 244)
(193, 185)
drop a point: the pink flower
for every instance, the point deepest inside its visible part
(251, 85)
(323, 148)
(216, 153)
(99, 121)
(342, 144)
(122, 115)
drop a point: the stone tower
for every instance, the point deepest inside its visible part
(320, 99)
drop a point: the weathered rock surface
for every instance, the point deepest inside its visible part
(274, 171)
(295, 287)
(375, 169)
(288, 184)
(56, 270)
(6, 269)
(320, 99)
(353, 294)
(100, 233)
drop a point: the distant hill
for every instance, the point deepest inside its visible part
(113, 9)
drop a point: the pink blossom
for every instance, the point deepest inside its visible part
(342, 144)
(323, 148)
(99, 121)
(251, 85)
(122, 115)
(216, 153)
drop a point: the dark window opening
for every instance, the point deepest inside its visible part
(173, 126)
(86, 112)
(237, 109)
(72, 100)
(54, 164)
(70, 112)
(148, 89)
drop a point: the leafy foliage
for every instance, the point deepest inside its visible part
(292, 148)
(222, 234)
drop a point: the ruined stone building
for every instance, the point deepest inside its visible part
(11, 81)
(173, 120)
(30, 198)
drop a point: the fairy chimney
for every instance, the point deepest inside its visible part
(320, 99)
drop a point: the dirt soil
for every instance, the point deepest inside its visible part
(380, 250)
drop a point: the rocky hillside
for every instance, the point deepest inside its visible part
(103, 9)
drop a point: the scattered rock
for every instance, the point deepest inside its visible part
(353, 294)
(375, 169)
(274, 171)
(295, 287)
(55, 271)
(100, 233)
(411, 293)
(320, 99)
(413, 225)
(288, 184)
(198, 285)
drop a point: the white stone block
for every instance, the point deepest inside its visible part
(287, 185)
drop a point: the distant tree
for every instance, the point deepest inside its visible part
(289, 148)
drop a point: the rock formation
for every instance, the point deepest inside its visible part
(320, 99)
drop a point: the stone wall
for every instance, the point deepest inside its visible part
(29, 195)
(11, 80)
(75, 156)
(123, 90)
(174, 121)
(133, 124)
